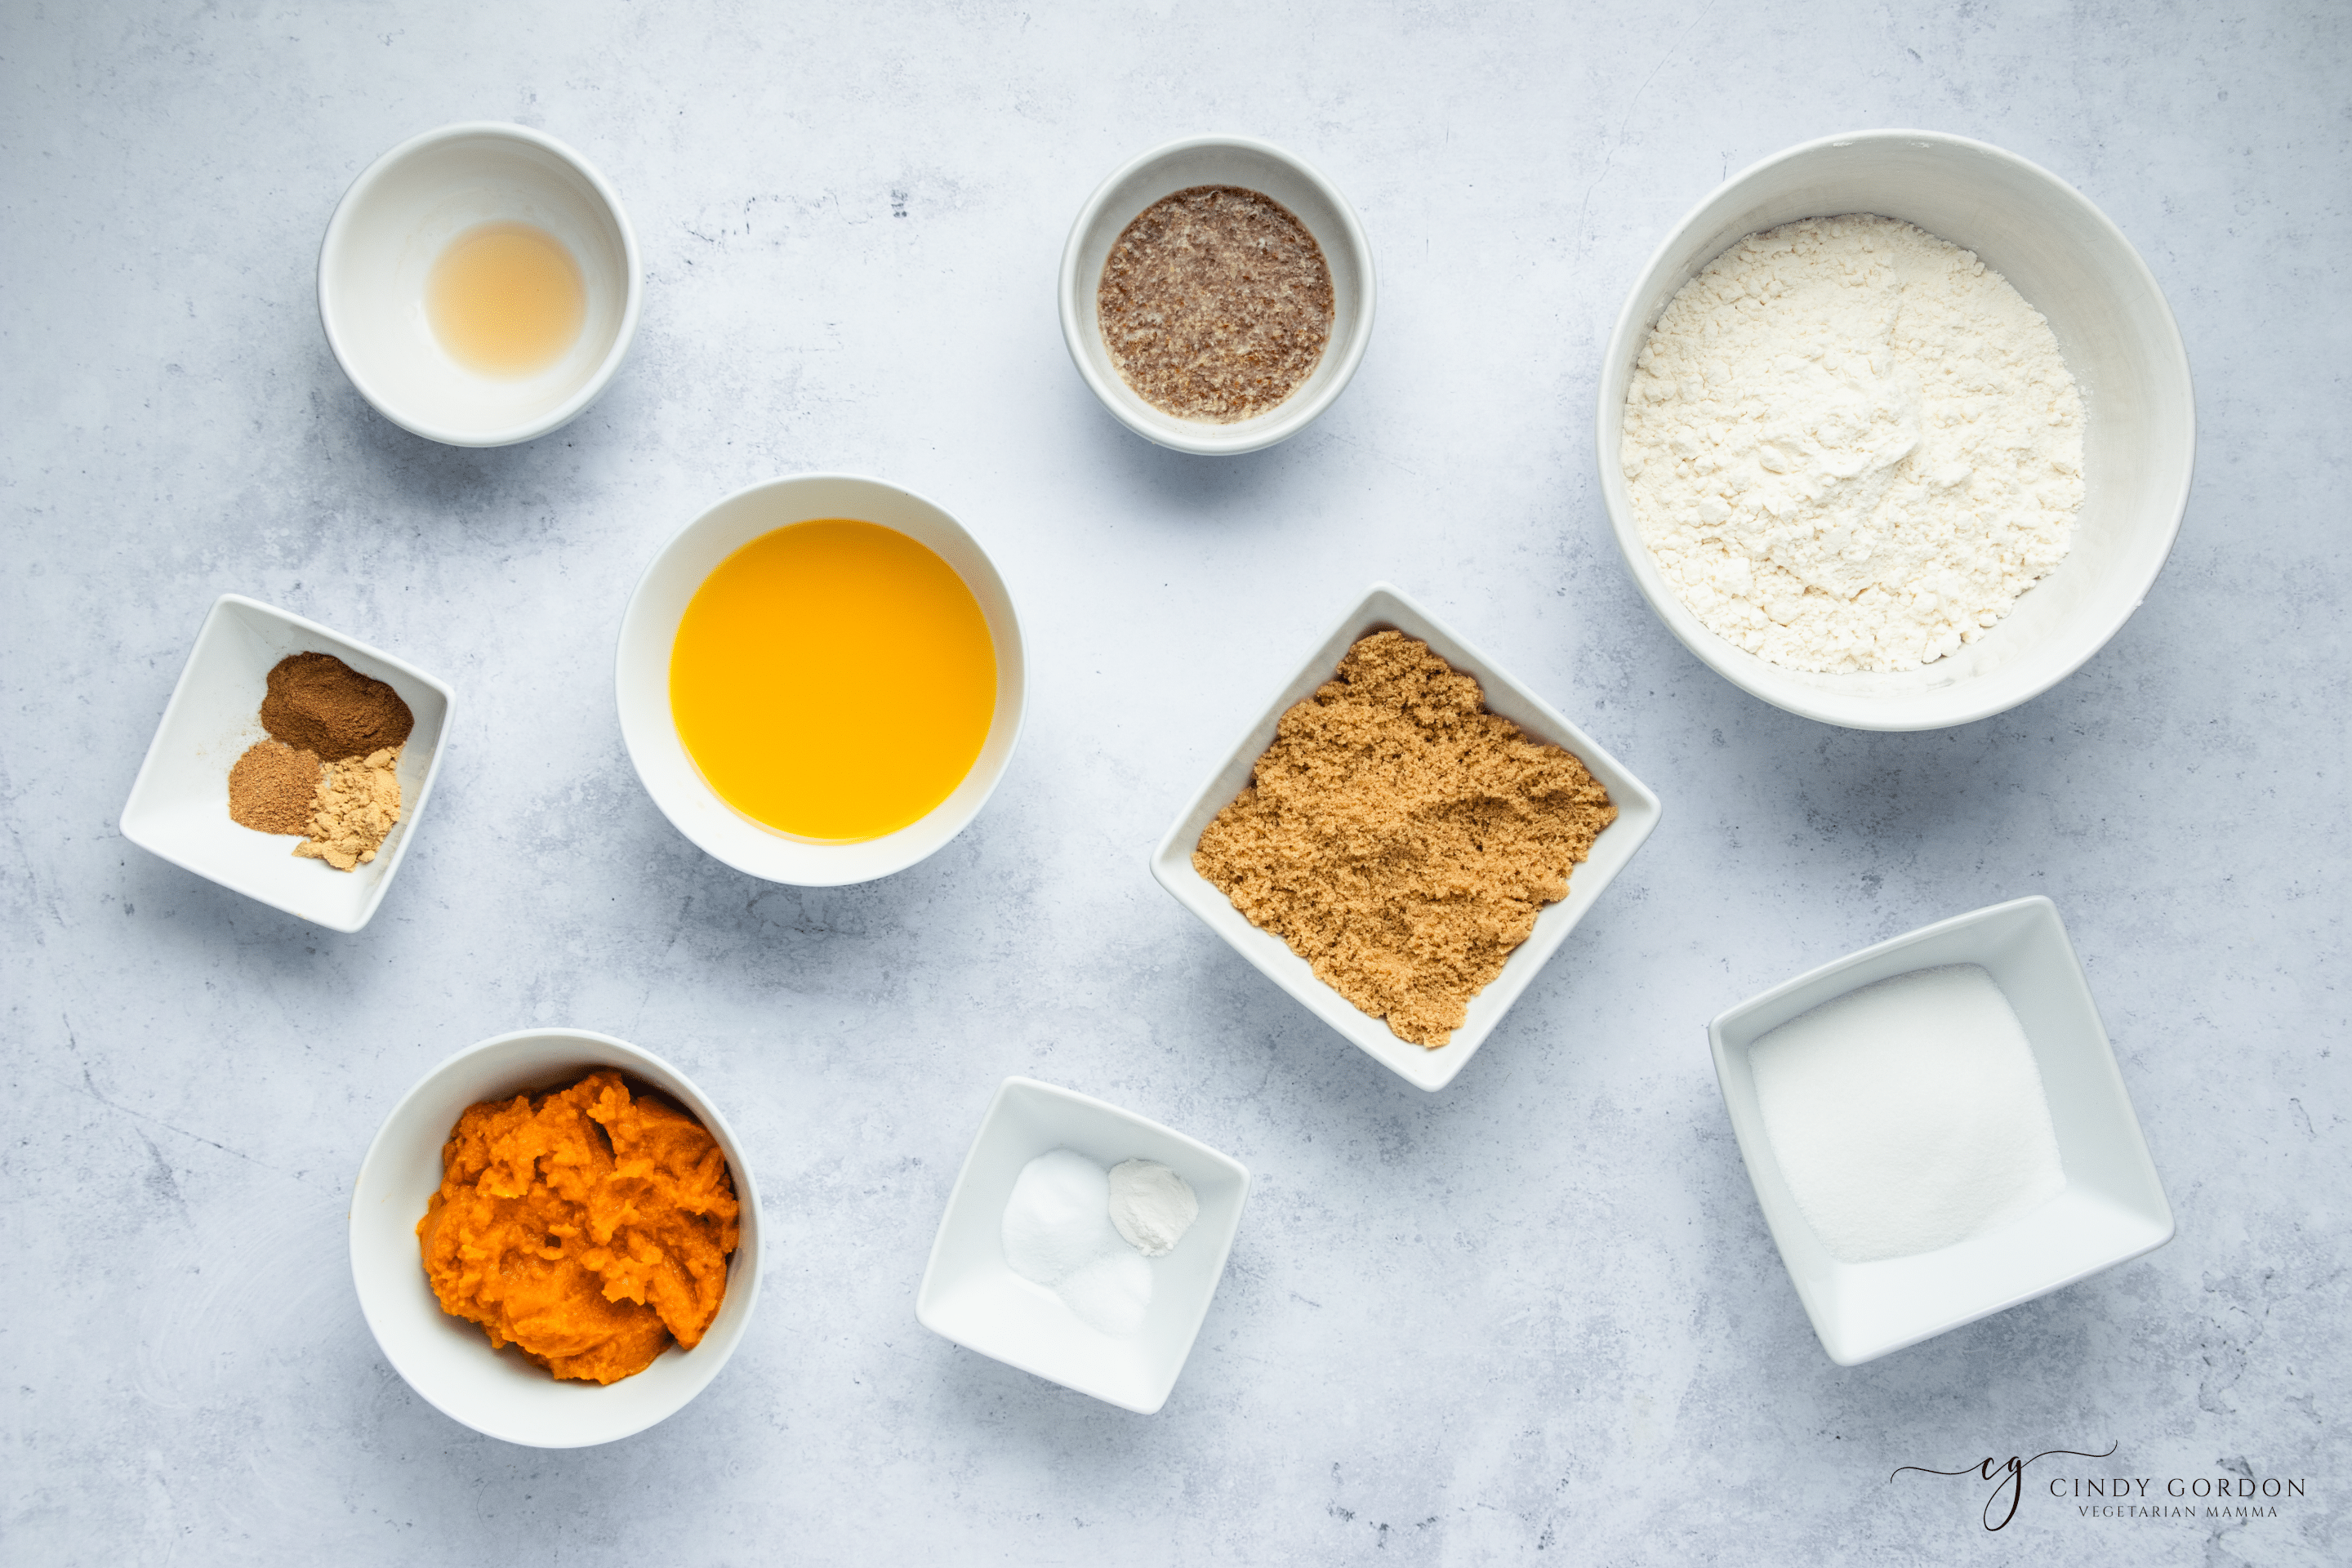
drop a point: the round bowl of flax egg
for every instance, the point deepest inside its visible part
(479, 284)
(821, 680)
(450, 1362)
(2068, 262)
(1198, 246)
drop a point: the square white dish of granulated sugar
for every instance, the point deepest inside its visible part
(1936, 1129)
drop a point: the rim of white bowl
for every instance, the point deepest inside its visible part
(571, 407)
(747, 1194)
(1286, 419)
(918, 855)
(1712, 649)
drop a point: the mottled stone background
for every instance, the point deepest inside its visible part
(1538, 1312)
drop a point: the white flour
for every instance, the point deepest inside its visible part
(1851, 445)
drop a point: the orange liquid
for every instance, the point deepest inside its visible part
(506, 299)
(833, 679)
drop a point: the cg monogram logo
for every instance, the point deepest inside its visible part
(2007, 1476)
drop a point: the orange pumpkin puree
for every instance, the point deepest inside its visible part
(584, 1225)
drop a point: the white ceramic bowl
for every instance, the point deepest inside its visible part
(641, 678)
(2112, 1207)
(2118, 339)
(1637, 812)
(1255, 166)
(970, 1295)
(179, 803)
(394, 222)
(448, 1360)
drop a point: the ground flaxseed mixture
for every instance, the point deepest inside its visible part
(1403, 839)
(1215, 303)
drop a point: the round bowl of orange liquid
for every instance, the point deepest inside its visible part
(479, 284)
(821, 680)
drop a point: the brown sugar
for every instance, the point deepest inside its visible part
(1403, 839)
(271, 788)
(1215, 303)
(354, 809)
(317, 703)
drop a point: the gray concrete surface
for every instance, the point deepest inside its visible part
(1536, 1315)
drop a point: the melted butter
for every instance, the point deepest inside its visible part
(833, 679)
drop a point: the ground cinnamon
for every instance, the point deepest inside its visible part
(1403, 839)
(317, 703)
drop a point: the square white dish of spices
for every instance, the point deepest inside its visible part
(1635, 809)
(179, 805)
(973, 1294)
(1936, 1129)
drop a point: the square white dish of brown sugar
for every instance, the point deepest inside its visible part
(1417, 858)
(1936, 1129)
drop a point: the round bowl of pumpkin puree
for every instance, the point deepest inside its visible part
(555, 1238)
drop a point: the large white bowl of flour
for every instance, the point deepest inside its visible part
(2118, 340)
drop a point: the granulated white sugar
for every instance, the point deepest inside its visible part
(1908, 1116)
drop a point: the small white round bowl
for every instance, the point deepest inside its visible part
(641, 678)
(448, 1360)
(2117, 335)
(395, 221)
(1219, 160)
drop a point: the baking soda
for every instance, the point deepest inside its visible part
(1112, 1293)
(1909, 1115)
